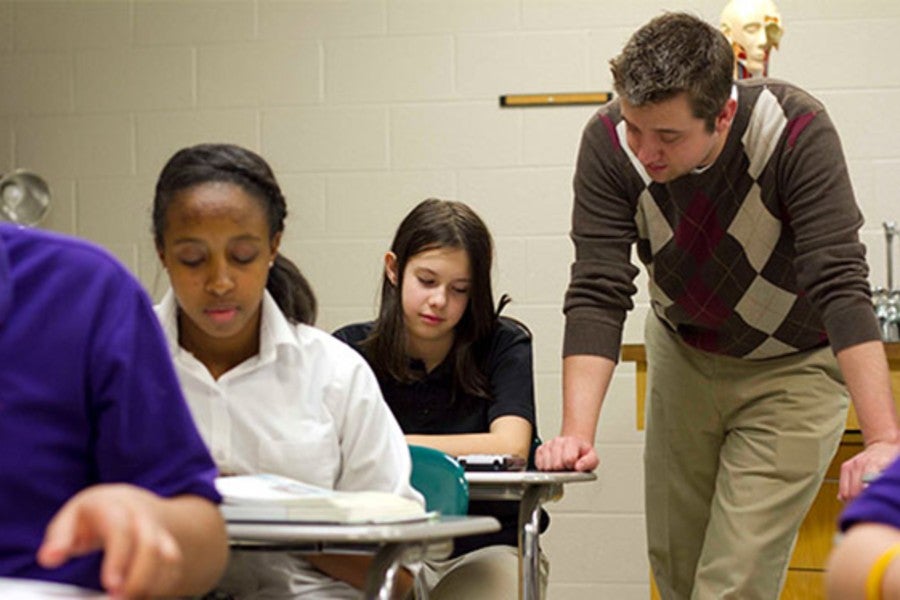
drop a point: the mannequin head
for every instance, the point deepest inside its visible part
(753, 27)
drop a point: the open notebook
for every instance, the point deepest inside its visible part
(267, 497)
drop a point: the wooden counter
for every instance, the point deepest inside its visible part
(805, 580)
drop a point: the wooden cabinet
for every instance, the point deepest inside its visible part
(806, 572)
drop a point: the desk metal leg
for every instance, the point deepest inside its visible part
(529, 543)
(529, 537)
(380, 577)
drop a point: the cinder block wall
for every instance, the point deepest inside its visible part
(365, 107)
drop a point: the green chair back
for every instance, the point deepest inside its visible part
(535, 442)
(440, 479)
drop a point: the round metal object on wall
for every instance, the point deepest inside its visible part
(24, 198)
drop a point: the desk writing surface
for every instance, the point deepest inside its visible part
(30, 589)
(511, 485)
(528, 477)
(388, 543)
(414, 531)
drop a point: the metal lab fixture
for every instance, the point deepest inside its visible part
(24, 197)
(887, 299)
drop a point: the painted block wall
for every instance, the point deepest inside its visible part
(364, 108)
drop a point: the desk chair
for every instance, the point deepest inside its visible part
(442, 481)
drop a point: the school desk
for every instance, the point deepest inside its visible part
(390, 543)
(531, 489)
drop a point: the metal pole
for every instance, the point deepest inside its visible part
(529, 546)
(890, 228)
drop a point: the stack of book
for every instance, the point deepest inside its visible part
(267, 497)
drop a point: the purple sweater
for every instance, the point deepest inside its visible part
(757, 256)
(88, 395)
(879, 503)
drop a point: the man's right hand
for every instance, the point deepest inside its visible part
(566, 453)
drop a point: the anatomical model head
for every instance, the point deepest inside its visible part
(753, 27)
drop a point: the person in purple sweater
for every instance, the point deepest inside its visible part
(106, 483)
(864, 564)
(735, 195)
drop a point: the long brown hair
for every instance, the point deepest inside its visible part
(439, 224)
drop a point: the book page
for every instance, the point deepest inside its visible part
(266, 497)
(266, 488)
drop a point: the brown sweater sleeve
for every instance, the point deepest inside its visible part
(824, 218)
(603, 231)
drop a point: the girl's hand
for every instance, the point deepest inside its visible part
(140, 554)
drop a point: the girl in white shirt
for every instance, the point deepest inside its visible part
(269, 392)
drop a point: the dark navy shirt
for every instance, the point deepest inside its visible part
(88, 395)
(430, 405)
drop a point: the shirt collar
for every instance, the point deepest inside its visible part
(734, 96)
(440, 373)
(167, 311)
(275, 329)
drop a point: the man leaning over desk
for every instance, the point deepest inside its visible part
(737, 198)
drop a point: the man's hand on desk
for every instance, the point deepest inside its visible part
(566, 453)
(863, 467)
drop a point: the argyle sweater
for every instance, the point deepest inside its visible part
(756, 256)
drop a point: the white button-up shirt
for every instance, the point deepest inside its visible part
(307, 406)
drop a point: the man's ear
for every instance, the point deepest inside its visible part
(726, 116)
(390, 267)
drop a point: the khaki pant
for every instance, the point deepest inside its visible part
(489, 573)
(735, 453)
